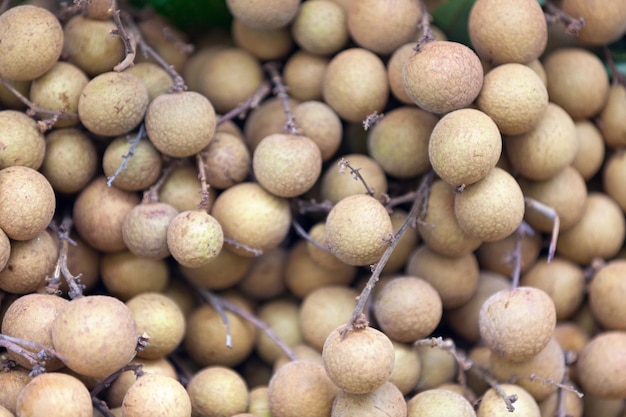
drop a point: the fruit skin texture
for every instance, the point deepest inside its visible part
(601, 366)
(606, 295)
(605, 22)
(361, 362)
(264, 14)
(155, 395)
(358, 229)
(612, 117)
(54, 395)
(145, 229)
(492, 208)
(22, 143)
(439, 402)
(386, 401)
(493, 406)
(464, 146)
(437, 90)
(194, 238)
(31, 40)
(517, 324)
(180, 124)
(217, 391)
(27, 202)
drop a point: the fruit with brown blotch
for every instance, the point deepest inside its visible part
(154, 395)
(56, 395)
(194, 238)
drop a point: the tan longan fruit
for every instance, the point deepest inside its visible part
(600, 366)
(495, 256)
(573, 404)
(464, 146)
(303, 352)
(606, 295)
(89, 45)
(395, 66)
(355, 84)
(5, 249)
(27, 202)
(323, 310)
(32, 39)
(265, 15)
(517, 323)
(611, 118)
(95, 335)
(182, 294)
(320, 27)
(205, 339)
(259, 402)
(546, 149)
(514, 96)
(597, 406)
(4, 412)
(381, 27)
(304, 275)
(599, 233)
(537, 67)
(613, 174)
(112, 103)
(154, 77)
(224, 271)
(54, 394)
(126, 275)
(492, 208)
(500, 36)
(464, 319)
(319, 122)
(265, 120)
(156, 395)
(571, 336)
(8, 100)
(423, 76)
(436, 402)
(548, 364)
(227, 160)
(194, 238)
(454, 278)
(406, 368)
(99, 213)
(59, 90)
(387, 400)
(217, 391)
(287, 165)
(603, 25)
(440, 229)
(99, 9)
(577, 81)
(305, 381)
(407, 308)
(361, 361)
(182, 189)
(163, 321)
(30, 318)
(251, 217)
(282, 317)
(264, 276)
(145, 229)
(266, 45)
(399, 142)
(230, 77)
(140, 172)
(180, 124)
(492, 405)
(12, 382)
(71, 160)
(358, 229)
(405, 246)
(562, 280)
(303, 75)
(319, 251)
(23, 143)
(337, 183)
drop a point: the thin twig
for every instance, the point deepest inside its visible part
(424, 24)
(493, 383)
(218, 304)
(371, 120)
(281, 91)
(204, 186)
(238, 245)
(61, 269)
(151, 195)
(535, 377)
(137, 369)
(356, 174)
(312, 206)
(306, 236)
(553, 14)
(131, 151)
(128, 39)
(402, 199)
(463, 362)
(417, 210)
(522, 231)
(552, 215)
(253, 102)
(36, 354)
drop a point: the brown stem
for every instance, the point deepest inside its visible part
(572, 25)
(345, 164)
(402, 199)
(534, 377)
(61, 269)
(151, 195)
(551, 214)
(449, 346)
(417, 210)
(371, 120)
(137, 368)
(424, 24)
(253, 102)
(312, 206)
(26, 348)
(128, 39)
(306, 236)
(131, 152)
(204, 200)
(281, 91)
(516, 256)
(493, 383)
(238, 245)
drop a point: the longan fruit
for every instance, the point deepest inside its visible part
(71, 160)
(217, 391)
(603, 25)
(305, 381)
(194, 238)
(495, 256)
(387, 400)
(170, 44)
(395, 66)
(303, 75)
(142, 170)
(406, 368)
(303, 352)
(227, 160)
(252, 217)
(361, 361)
(577, 81)
(573, 404)
(571, 336)
(464, 146)
(319, 251)
(355, 84)
(442, 63)
(407, 308)
(156, 395)
(599, 232)
(381, 27)
(126, 275)
(281, 316)
(440, 229)
(399, 141)
(614, 170)
(12, 383)
(32, 40)
(265, 276)
(99, 9)
(590, 155)
(514, 96)
(454, 278)
(23, 143)
(85, 260)
(5, 249)
(597, 406)
(611, 118)
(606, 294)
(320, 27)
(562, 280)
(95, 335)
(500, 36)
(99, 213)
(153, 76)
(145, 229)
(600, 366)
(264, 15)
(492, 405)
(287, 165)
(182, 189)
(180, 124)
(27, 202)
(321, 124)
(56, 395)
(112, 103)
(266, 45)
(436, 402)
(224, 271)
(517, 323)
(405, 246)
(492, 208)
(337, 183)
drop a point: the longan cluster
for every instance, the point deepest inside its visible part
(480, 182)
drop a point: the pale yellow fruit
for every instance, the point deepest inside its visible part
(600, 367)
(437, 402)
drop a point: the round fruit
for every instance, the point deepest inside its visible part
(338, 183)
(282, 317)
(614, 170)
(591, 144)
(320, 27)
(492, 405)
(118, 389)
(321, 124)
(264, 15)
(303, 75)
(22, 142)
(194, 238)
(155, 395)
(266, 45)
(54, 395)
(600, 367)
(606, 295)
(612, 116)
(145, 229)
(227, 160)
(386, 400)
(603, 25)
(437, 402)
(217, 391)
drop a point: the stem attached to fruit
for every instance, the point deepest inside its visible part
(554, 14)
(281, 92)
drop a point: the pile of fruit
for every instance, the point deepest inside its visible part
(329, 208)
